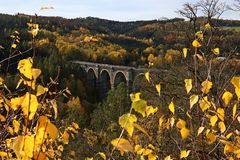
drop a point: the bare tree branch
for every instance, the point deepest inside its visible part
(212, 8)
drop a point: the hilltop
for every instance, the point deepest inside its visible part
(105, 41)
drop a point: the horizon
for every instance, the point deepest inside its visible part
(123, 11)
(159, 19)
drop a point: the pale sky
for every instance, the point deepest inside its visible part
(121, 10)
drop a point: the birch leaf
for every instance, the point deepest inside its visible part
(172, 107)
(185, 50)
(188, 85)
(227, 97)
(147, 76)
(193, 100)
(122, 145)
(200, 130)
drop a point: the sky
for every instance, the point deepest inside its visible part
(120, 10)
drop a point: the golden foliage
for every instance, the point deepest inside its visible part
(122, 145)
(31, 129)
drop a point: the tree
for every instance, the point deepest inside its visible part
(116, 104)
(212, 8)
(209, 8)
(237, 5)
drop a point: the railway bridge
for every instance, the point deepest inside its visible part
(104, 77)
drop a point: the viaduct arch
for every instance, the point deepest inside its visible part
(104, 77)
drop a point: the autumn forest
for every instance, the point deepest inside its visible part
(185, 104)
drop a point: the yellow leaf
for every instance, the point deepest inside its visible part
(147, 76)
(204, 104)
(135, 125)
(188, 85)
(16, 126)
(54, 106)
(75, 125)
(236, 82)
(206, 86)
(229, 135)
(221, 113)
(229, 148)
(168, 158)
(184, 132)
(44, 128)
(171, 107)
(184, 154)
(147, 152)
(28, 145)
(216, 51)
(237, 91)
(25, 67)
(152, 157)
(140, 106)
(2, 118)
(181, 124)
(188, 115)
(16, 103)
(222, 127)
(207, 131)
(3, 154)
(17, 144)
(50, 128)
(14, 45)
(234, 111)
(138, 149)
(200, 130)
(122, 145)
(160, 121)
(19, 83)
(199, 34)
(211, 138)
(31, 83)
(150, 110)
(200, 57)
(29, 104)
(135, 97)
(65, 137)
(172, 121)
(213, 120)
(208, 26)
(10, 130)
(68, 92)
(227, 97)
(158, 88)
(40, 90)
(1, 81)
(60, 148)
(35, 29)
(102, 155)
(22, 146)
(196, 44)
(151, 146)
(35, 73)
(193, 100)
(185, 50)
(126, 121)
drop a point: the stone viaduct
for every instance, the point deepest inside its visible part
(104, 77)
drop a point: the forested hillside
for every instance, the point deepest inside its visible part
(126, 43)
